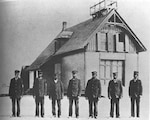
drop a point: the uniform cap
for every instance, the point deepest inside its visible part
(136, 72)
(115, 73)
(74, 72)
(56, 74)
(39, 71)
(94, 72)
(17, 71)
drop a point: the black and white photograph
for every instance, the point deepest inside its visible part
(74, 59)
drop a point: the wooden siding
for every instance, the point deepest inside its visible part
(92, 44)
(132, 47)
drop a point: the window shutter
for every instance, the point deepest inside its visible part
(110, 42)
(101, 41)
(126, 43)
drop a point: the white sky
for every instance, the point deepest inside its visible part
(28, 26)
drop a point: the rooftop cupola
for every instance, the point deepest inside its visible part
(102, 8)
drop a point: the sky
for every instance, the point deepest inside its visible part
(28, 26)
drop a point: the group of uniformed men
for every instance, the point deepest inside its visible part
(92, 93)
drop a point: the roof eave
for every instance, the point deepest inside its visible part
(134, 35)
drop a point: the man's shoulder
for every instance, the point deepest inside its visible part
(132, 80)
(59, 81)
(90, 80)
(119, 81)
(12, 79)
(97, 79)
(138, 80)
(110, 81)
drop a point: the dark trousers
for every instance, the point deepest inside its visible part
(113, 102)
(14, 101)
(92, 102)
(76, 101)
(39, 100)
(58, 105)
(133, 100)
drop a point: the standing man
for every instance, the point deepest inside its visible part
(39, 88)
(56, 93)
(73, 93)
(135, 91)
(114, 94)
(15, 93)
(93, 93)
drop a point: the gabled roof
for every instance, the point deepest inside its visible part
(79, 35)
(43, 57)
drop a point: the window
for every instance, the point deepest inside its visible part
(59, 43)
(120, 42)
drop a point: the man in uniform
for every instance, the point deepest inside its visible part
(114, 94)
(15, 93)
(39, 88)
(73, 93)
(93, 93)
(56, 93)
(135, 91)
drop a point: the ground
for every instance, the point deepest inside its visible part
(28, 108)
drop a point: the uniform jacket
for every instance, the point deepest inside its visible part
(56, 90)
(115, 89)
(74, 88)
(93, 88)
(39, 87)
(135, 88)
(16, 88)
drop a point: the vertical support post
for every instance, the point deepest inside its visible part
(137, 61)
(85, 71)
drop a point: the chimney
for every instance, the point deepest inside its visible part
(64, 25)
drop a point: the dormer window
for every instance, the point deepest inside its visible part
(62, 38)
(59, 44)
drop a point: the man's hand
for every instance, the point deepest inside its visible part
(86, 98)
(49, 97)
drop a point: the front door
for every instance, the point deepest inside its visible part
(107, 67)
